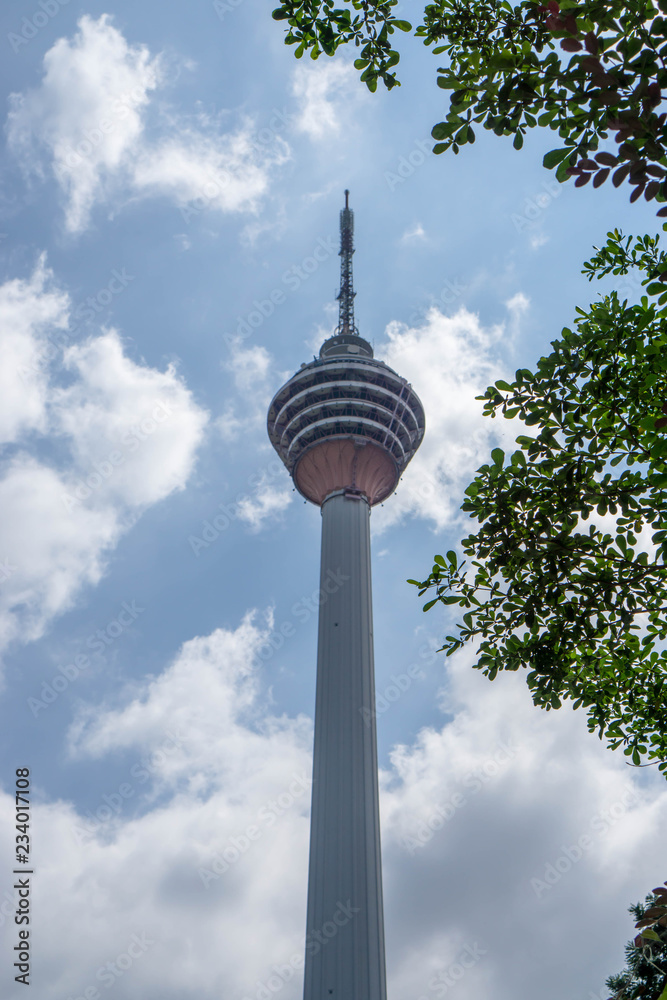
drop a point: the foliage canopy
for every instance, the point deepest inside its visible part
(583, 69)
(645, 973)
(583, 606)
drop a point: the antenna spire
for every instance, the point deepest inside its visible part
(346, 295)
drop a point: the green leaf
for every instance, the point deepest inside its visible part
(498, 456)
(554, 157)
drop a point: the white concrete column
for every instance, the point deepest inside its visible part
(345, 958)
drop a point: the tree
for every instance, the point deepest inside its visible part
(645, 974)
(582, 606)
(581, 610)
(582, 69)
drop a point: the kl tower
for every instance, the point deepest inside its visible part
(346, 426)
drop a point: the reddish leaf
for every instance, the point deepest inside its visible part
(591, 43)
(661, 890)
(601, 177)
(636, 193)
(571, 24)
(621, 174)
(582, 179)
(652, 189)
(591, 65)
(659, 424)
(662, 212)
(656, 172)
(587, 164)
(570, 45)
(554, 7)
(608, 159)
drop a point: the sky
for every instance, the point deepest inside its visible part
(170, 185)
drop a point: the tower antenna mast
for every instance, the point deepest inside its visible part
(346, 295)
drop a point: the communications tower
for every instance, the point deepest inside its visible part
(346, 426)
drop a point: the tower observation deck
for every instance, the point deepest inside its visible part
(346, 426)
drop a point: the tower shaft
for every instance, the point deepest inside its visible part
(345, 957)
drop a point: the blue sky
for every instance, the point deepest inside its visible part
(171, 181)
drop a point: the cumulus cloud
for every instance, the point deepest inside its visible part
(28, 310)
(253, 373)
(141, 421)
(322, 90)
(475, 813)
(129, 434)
(87, 121)
(268, 504)
(199, 734)
(449, 360)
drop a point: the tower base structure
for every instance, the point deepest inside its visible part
(345, 954)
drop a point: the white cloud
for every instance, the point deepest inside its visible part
(52, 552)
(27, 311)
(268, 505)
(473, 813)
(412, 235)
(88, 118)
(324, 91)
(252, 370)
(147, 418)
(130, 435)
(449, 360)
(250, 366)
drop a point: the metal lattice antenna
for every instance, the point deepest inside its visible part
(347, 293)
